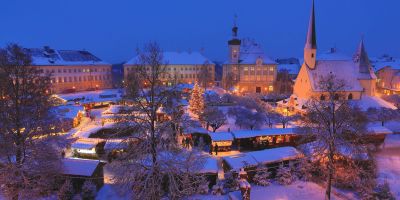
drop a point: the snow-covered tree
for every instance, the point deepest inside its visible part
(247, 118)
(284, 119)
(383, 192)
(66, 192)
(284, 175)
(213, 117)
(262, 176)
(196, 102)
(336, 128)
(29, 155)
(155, 166)
(231, 182)
(394, 98)
(89, 191)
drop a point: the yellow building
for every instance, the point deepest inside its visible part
(248, 69)
(388, 73)
(182, 67)
(72, 70)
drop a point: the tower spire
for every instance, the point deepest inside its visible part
(234, 28)
(311, 41)
(310, 48)
(361, 57)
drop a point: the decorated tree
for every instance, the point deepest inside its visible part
(262, 176)
(196, 102)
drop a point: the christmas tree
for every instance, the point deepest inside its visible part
(196, 102)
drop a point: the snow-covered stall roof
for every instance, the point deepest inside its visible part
(67, 111)
(115, 144)
(113, 109)
(86, 143)
(221, 136)
(377, 129)
(94, 96)
(52, 57)
(198, 129)
(210, 165)
(239, 134)
(79, 167)
(178, 58)
(266, 156)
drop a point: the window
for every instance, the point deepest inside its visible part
(322, 97)
(258, 89)
(336, 97)
(350, 97)
(270, 88)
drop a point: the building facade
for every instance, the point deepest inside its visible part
(248, 69)
(388, 74)
(181, 67)
(72, 70)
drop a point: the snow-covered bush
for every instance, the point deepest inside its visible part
(89, 191)
(203, 188)
(262, 176)
(284, 175)
(218, 189)
(382, 192)
(66, 192)
(231, 182)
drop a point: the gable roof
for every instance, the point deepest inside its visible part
(250, 51)
(79, 167)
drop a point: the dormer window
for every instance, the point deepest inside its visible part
(312, 55)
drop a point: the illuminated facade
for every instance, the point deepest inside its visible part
(72, 70)
(248, 69)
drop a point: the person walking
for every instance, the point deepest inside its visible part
(216, 149)
(211, 149)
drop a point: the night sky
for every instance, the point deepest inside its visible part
(113, 29)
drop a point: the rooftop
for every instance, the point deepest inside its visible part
(178, 58)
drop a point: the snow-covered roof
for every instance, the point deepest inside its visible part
(94, 96)
(197, 129)
(250, 51)
(239, 134)
(178, 58)
(385, 61)
(83, 145)
(51, 57)
(372, 102)
(113, 109)
(221, 136)
(115, 144)
(266, 156)
(79, 167)
(376, 129)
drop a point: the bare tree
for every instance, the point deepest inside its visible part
(213, 117)
(204, 76)
(155, 167)
(284, 119)
(230, 80)
(29, 159)
(337, 130)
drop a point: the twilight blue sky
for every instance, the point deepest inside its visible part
(113, 29)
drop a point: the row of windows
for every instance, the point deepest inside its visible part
(258, 78)
(336, 97)
(181, 76)
(75, 70)
(174, 69)
(80, 79)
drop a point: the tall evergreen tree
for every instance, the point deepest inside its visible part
(196, 102)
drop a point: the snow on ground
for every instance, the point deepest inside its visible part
(296, 191)
(94, 96)
(388, 160)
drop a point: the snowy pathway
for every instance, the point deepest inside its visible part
(221, 175)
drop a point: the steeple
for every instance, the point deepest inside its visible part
(234, 44)
(310, 48)
(361, 58)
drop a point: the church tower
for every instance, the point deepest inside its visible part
(361, 58)
(234, 45)
(367, 76)
(310, 49)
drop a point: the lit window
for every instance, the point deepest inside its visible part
(271, 88)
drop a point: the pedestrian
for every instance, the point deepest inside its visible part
(187, 142)
(102, 122)
(183, 142)
(211, 149)
(216, 149)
